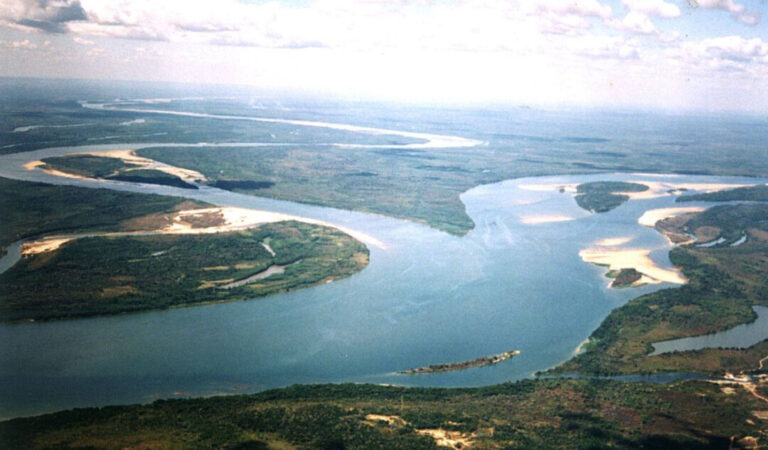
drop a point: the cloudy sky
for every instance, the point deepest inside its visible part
(693, 54)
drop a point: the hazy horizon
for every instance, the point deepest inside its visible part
(702, 55)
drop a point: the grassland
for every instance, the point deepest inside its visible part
(724, 283)
(603, 196)
(110, 275)
(529, 414)
(35, 209)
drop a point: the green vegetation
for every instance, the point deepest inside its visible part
(528, 414)
(35, 209)
(757, 193)
(112, 169)
(601, 196)
(724, 283)
(95, 276)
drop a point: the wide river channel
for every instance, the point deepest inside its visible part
(515, 282)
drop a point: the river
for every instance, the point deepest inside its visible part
(427, 297)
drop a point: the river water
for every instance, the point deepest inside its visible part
(426, 298)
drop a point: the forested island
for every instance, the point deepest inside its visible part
(112, 168)
(603, 196)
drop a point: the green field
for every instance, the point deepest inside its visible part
(110, 275)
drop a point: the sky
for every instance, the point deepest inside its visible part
(709, 55)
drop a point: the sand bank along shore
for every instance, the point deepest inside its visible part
(233, 219)
(128, 157)
(650, 217)
(658, 189)
(204, 221)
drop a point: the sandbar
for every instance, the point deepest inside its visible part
(614, 242)
(545, 218)
(43, 246)
(658, 189)
(638, 259)
(567, 187)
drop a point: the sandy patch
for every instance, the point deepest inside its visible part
(47, 245)
(638, 259)
(391, 420)
(444, 438)
(649, 218)
(758, 234)
(545, 218)
(32, 165)
(614, 242)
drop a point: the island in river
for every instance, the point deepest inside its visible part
(451, 367)
(624, 277)
(603, 196)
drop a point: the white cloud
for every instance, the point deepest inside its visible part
(82, 41)
(22, 45)
(738, 11)
(606, 47)
(652, 8)
(639, 23)
(727, 53)
(468, 24)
